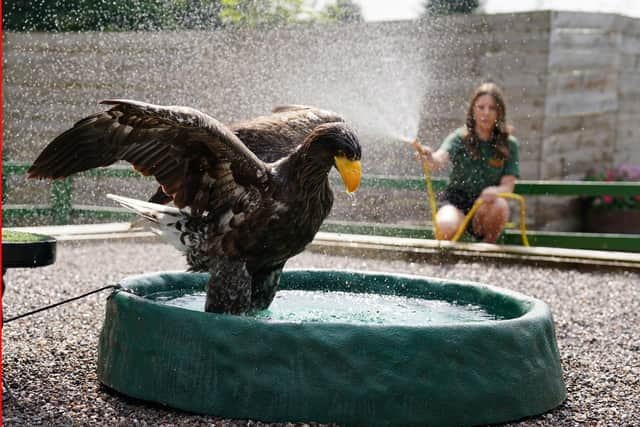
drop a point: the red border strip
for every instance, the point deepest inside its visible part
(1, 298)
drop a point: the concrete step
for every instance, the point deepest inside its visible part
(378, 246)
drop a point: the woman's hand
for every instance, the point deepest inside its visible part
(489, 194)
(423, 153)
(434, 160)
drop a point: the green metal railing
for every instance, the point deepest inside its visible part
(61, 210)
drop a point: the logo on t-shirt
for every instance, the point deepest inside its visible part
(496, 163)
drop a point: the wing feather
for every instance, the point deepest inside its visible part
(175, 144)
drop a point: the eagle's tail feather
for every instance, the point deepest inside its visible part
(166, 220)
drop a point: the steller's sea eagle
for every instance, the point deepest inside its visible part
(246, 197)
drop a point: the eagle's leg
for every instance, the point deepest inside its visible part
(263, 288)
(229, 288)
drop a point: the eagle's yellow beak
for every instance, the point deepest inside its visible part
(350, 172)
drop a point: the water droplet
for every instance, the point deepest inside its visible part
(354, 199)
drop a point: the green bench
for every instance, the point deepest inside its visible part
(61, 209)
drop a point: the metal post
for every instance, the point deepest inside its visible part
(61, 191)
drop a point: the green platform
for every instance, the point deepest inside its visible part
(458, 374)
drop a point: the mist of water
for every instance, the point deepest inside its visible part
(375, 76)
(391, 110)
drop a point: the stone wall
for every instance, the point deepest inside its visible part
(592, 97)
(572, 82)
(628, 127)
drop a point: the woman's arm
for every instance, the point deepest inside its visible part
(507, 185)
(435, 161)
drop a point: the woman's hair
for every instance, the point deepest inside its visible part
(501, 130)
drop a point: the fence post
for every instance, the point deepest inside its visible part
(61, 191)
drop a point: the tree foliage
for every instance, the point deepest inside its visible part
(449, 7)
(108, 15)
(343, 11)
(261, 13)
(197, 14)
(143, 15)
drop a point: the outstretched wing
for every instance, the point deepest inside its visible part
(275, 136)
(191, 154)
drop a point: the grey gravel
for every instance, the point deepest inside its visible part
(49, 359)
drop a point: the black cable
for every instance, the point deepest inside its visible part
(60, 303)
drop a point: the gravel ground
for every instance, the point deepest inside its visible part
(49, 359)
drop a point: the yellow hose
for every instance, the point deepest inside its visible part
(432, 197)
(474, 208)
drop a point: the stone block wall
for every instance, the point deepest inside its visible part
(591, 102)
(628, 125)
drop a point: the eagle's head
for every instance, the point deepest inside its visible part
(340, 146)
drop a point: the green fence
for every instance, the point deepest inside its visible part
(61, 209)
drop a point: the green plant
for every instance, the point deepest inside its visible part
(624, 172)
(11, 236)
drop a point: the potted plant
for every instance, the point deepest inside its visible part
(611, 214)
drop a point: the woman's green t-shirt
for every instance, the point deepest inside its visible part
(470, 175)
